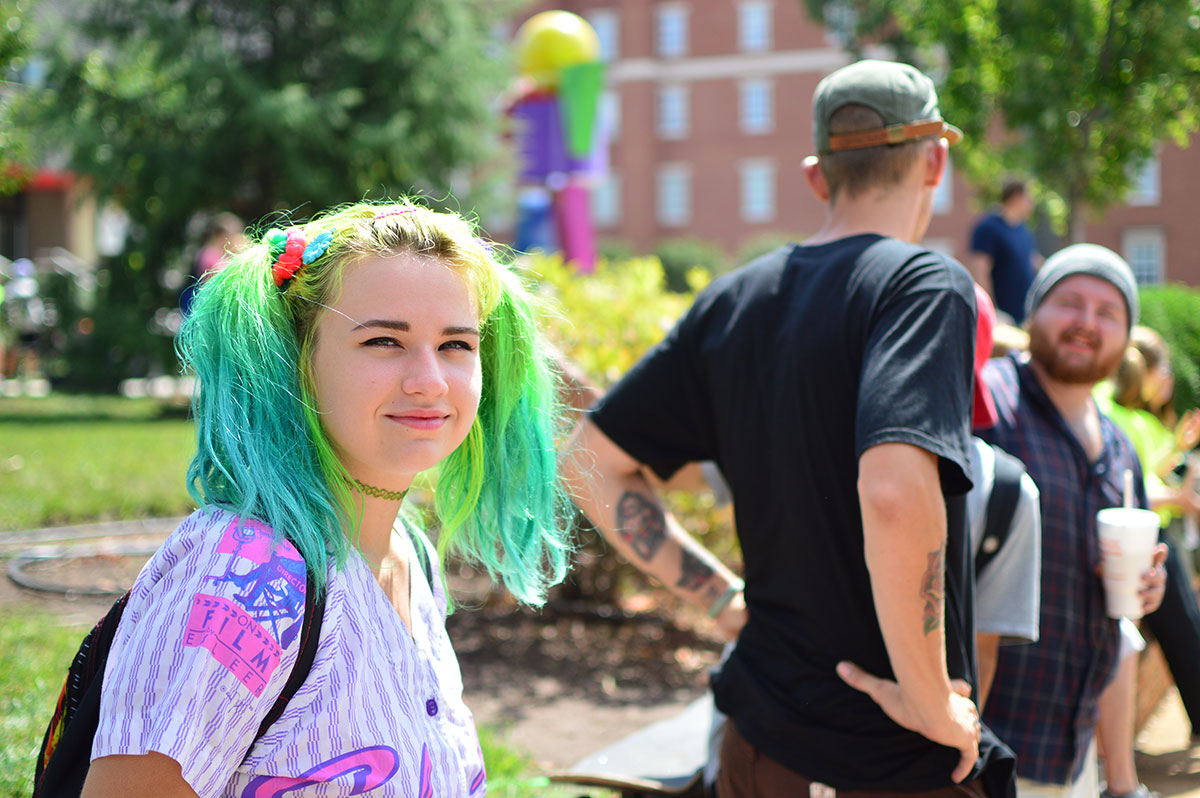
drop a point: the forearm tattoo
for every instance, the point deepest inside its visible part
(641, 523)
(695, 572)
(933, 589)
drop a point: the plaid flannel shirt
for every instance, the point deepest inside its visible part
(1044, 699)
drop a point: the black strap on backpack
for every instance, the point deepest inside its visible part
(66, 752)
(1001, 508)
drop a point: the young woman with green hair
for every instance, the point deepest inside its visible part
(336, 360)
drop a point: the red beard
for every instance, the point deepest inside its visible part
(1080, 371)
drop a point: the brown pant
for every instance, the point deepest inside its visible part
(748, 773)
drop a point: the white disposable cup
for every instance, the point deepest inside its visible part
(1128, 537)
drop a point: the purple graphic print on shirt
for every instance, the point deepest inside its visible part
(235, 639)
(369, 767)
(270, 577)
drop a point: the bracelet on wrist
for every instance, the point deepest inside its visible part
(718, 606)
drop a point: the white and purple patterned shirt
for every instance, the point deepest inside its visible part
(208, 640)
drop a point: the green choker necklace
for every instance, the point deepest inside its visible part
(379, 493)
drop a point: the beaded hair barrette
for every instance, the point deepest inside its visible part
(291, 252)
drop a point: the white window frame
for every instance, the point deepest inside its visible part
(757, 190)
(755, 26)
(1147, 184)
(672, 111)
(606, 202)
(671, 30)
(1135, 241)
(756, 106)
(607, 24)
(673, 194)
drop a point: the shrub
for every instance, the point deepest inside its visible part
(680, 255)
(1174, 312)
(611, 249)
(604, 322)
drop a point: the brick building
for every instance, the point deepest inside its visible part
(710, 103)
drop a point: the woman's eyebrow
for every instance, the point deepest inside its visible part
(403, 326)
(389, 324)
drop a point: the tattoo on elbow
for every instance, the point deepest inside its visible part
(641, 523)
(933, 589)
(695, 573)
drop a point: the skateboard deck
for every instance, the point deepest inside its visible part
(664, 758)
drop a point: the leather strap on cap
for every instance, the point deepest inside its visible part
(892, 134)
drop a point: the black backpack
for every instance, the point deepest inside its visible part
(1001, 507)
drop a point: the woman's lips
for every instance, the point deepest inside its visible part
(420, 420)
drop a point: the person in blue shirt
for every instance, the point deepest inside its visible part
(1004, 256)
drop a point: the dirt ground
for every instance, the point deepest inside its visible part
(569, 680)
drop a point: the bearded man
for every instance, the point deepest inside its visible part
(1044, 701)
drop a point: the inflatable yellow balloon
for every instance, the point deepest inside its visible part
(549, 41)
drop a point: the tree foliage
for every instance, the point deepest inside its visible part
(1085, 89)
(175, 108)
(15, 38)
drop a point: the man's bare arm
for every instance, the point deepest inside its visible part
(609, 487)
(904, 541)
(988, 648)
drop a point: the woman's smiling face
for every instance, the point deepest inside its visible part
(395, 368)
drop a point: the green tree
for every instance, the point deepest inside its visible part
(15, 36)
(1086, 89)
(261, 106)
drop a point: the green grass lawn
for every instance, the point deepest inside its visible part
(76, 459)
(34, 655)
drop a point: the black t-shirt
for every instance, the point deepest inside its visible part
(784, 373)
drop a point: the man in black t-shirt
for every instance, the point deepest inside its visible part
(831, 383)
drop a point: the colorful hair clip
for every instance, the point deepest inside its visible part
(485, 244)
(395, 212)
(289, 261)
(316, 248)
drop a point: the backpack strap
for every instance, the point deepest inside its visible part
(310, 638)
(1001, 508)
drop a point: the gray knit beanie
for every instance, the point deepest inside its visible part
(1090, 259)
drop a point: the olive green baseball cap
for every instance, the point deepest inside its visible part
(901, 94)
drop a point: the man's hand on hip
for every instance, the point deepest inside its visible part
(954, 724)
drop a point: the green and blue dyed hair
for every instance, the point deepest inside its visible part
(263, 451)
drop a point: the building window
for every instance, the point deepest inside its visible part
(1145, 248)
(672, 112)
(943, 197)
(671, 33)
(610, 110)
(756, 111)
(607, 25)
(674, 195)
(1147, 183)
(754, 27)
(758, 191)
(606, 202)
